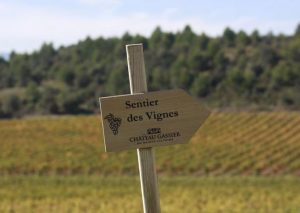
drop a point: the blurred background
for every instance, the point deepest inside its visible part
(241, 59)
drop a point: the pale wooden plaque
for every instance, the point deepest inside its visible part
(150, 119)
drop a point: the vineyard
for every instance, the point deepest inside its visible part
(237, 162)
(231, 144)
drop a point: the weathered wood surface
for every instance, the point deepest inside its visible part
(143, 120)
(150, 119)
(146, 159)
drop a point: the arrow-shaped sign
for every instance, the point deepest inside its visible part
(150, 119)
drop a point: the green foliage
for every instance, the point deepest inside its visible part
(235, 70)
(48, 103)
(201, 85)
(229, 37)
(10, 105)
(283, 74)
(242, 39)
(297, 31)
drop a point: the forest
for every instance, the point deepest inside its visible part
(236, 71)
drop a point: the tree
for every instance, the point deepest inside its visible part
(268, 56)
(4, 77)
(159, 79)
(180, 74)
(117, 82)
(68, 102)
(255, 37)
(284, 75)
(199, 61)
(227, 69)
(20, 69)
(185, 40)
(242, 39)
(33, 95)
(48, 101)
(202, 42)
(229, 37)
(297, 31)
(67, 76)
(235, 78)
(201, 85)
(294, 49)
(10, 106)
(155, 38)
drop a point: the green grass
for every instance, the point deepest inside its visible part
(122, 194)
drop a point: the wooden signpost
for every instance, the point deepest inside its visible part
(150, 119)
(143, 120)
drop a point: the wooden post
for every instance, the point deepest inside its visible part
(146, 160)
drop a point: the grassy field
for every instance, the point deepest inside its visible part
(228, 144)
(122, 194)
(237, 162)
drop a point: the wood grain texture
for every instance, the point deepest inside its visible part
(148, 178)
(151, 119)
(136, 68)
(146, 159)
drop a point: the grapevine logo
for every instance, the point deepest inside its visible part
(114, 123)
(153, 131)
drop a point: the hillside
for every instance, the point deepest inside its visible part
(244, 144)
(233, 71)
